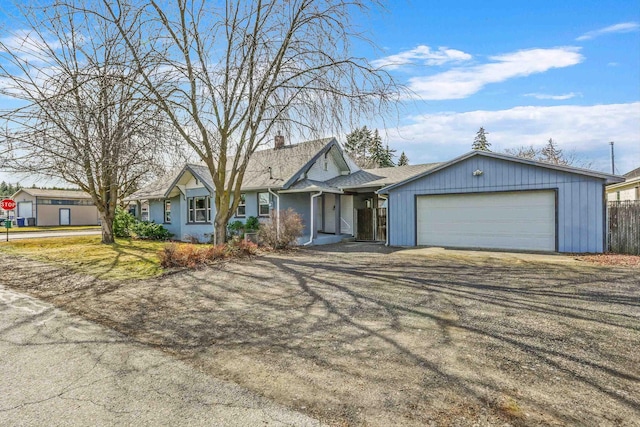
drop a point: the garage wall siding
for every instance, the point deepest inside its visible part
(580, 198)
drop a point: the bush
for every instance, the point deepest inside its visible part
(150, 231)
(241, 248)
(191, 256)
(252, 224)
(123, 223)
(235, 228)
(291, 228)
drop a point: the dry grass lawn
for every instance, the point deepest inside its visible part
(124, 260)
(364, 335)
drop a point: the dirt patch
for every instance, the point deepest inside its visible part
(364, 335)
(612, 259)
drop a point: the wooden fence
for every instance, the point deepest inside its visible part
(624, 227)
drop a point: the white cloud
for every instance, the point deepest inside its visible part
(28, 46)
(422, 54)
(462, 82)
(553, 97)
(624, 27)
(585, 130)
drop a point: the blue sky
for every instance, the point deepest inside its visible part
(525, 71)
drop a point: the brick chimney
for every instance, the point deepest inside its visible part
(279, 141)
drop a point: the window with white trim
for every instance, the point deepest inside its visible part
(263, 204)
(167, 211)
(242, 206)
(199, 209)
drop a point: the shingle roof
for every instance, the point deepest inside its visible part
(379, 177)
(308, 185)
(633, 174)
(58, 194)
(284, 162)
(157, 189)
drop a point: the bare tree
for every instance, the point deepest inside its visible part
(550, 153)
(243, 70)
(78, 110)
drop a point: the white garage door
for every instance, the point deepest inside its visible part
(522, 220)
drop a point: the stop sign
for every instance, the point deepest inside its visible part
(8, 205)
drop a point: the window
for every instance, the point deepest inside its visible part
(67, 202)
(167, 211)
(263, 204)
(242, 206)
(199, 209)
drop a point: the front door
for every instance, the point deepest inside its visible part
(65, 216)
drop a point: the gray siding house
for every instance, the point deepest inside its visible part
(490, 200)
(479, 200)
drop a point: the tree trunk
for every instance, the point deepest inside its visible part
(220, 231)
(107, 228)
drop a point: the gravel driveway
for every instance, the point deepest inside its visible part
(366, 335)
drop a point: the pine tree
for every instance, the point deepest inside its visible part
(480, 142)
(379, 155)
(358, 146)
(403, 160)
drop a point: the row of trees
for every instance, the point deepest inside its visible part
(105, 90)
(367, 150)
(550, 153)
(8, 189)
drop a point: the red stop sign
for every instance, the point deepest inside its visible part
(8, 205)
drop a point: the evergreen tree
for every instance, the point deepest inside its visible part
(380, 156)
(357, 146)
(480, 142)
(403, 160)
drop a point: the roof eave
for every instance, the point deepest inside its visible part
(569, 169)
(307, 166)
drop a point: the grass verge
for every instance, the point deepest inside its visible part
(123, 260)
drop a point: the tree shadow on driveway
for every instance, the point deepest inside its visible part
(378, 338)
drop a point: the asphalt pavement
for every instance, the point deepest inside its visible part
(57, 369)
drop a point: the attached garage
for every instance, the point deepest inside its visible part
(519, 220)
(495, 201)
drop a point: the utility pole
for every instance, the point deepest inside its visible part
(613, 167)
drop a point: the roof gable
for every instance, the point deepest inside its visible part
(608, 178)
(58, 194)
(632, 174)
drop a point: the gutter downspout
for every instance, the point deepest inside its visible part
(277, 213)
(313, 196)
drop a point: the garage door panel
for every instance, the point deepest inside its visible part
(514, 220)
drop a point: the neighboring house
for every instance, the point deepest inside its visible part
(481, 199)
(627, 190)
(495, 201)
(55, 207)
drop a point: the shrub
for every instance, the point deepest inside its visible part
(252, 224)
(241, 248)
(291, 227)
(191, 256)
(235, 228)
(123, 223)
(150, 231)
